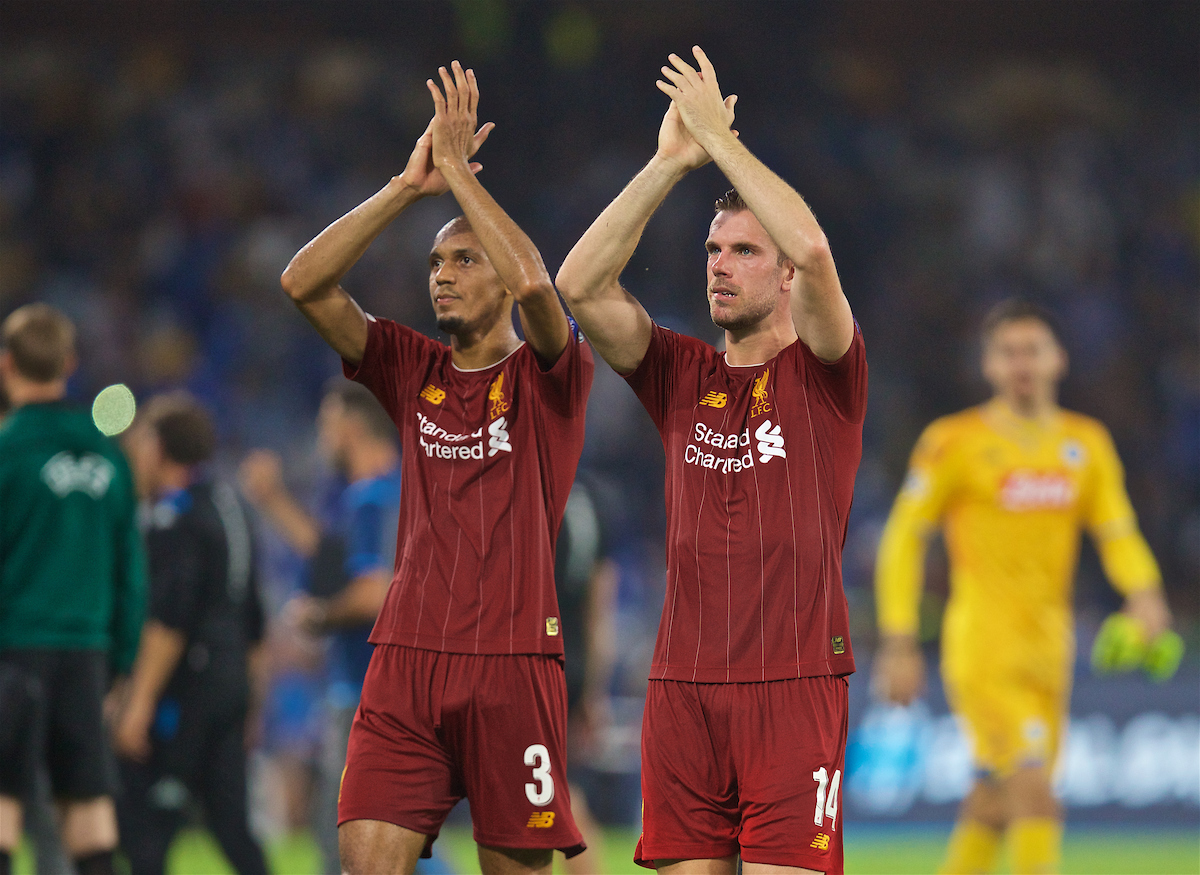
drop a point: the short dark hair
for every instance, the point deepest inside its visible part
(457, 225)
(358, 401)
(41, 341)
(1016, 310)
(184, 427)
(731, 201)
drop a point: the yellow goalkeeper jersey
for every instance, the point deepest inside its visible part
(1011, 496)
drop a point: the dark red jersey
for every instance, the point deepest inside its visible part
(760, 465)
(489, 456)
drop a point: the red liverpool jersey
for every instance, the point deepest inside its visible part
(760, 464)
(489, 456)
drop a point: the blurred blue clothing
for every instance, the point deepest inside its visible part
(364, 516)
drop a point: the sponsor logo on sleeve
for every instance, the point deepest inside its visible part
(433, 394)
(552, 626)
(839, 644)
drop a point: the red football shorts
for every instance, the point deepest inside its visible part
(434, 727)
(746, 768)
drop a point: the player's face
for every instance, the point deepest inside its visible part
(466, 291)
(1023, 361)
(746, 282)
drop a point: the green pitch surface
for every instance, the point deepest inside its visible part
(869, 851)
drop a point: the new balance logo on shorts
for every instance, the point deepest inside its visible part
(541, 820)
(821, 842)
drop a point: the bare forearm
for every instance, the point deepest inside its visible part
(159, 653)
(317, 268)
(593, 266)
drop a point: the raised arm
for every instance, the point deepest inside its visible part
(516, 260)
(820, 310)
(312, 277)
(589, 280)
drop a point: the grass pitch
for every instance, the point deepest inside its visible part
(891, 850)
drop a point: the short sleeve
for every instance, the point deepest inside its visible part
(565, 383)
(391, 363)
(841, 385)
(654, 379)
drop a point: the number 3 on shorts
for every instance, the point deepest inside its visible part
(825, 804)
(542, 792)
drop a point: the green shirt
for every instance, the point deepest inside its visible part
(72, 567)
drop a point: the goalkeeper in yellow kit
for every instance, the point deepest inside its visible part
(1011, 483)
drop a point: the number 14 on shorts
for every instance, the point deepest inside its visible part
(827, 796)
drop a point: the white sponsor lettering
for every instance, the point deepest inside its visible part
(90, 474)
(1033, 490)
(447, 445)
(770, 441)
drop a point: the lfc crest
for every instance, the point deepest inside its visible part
(761, 403)
(496, 397)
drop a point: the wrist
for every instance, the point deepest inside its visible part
(402, 192)
(669, 167)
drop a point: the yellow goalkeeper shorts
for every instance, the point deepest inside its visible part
(1010, 722)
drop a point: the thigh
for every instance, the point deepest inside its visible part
(398, 770)
(789, 742)
(505, 724)
(1010, 724)
(689, 792)
(82, 764)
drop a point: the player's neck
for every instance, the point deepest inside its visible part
(22, 391)
(1032, 408)
(759, 343)
(473, 351)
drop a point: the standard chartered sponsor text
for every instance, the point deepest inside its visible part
(442, 444)
(770, 444)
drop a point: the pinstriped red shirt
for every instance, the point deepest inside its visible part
(760, 465)
(488, 460)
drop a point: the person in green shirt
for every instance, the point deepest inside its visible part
(72, 590)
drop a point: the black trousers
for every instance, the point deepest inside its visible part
(202, 760)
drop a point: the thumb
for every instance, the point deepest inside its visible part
(475, 166)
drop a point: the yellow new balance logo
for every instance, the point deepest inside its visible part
(821, 842)
(714, 399)
(541, 820)
(433, 394)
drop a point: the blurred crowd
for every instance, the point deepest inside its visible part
(154, 182)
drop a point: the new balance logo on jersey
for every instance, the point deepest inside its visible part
(499, 437)
(1037, 490)
(540, 820)
(433, 394)
(770, 442)
(714, 399)
(90, 474)
(821, 842)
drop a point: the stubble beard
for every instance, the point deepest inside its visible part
(736, 322)
(452, 325)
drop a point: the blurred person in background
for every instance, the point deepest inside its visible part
(72, 591)
(746, 718)
(180, 723)
(1011, 483)
(586, 581)
(350, 552)
(465, 694)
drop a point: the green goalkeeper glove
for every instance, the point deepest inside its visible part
(1121, 646)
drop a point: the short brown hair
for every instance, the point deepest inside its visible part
(731, 201)
(1016, 310)
(184, 428)
(41, 341)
